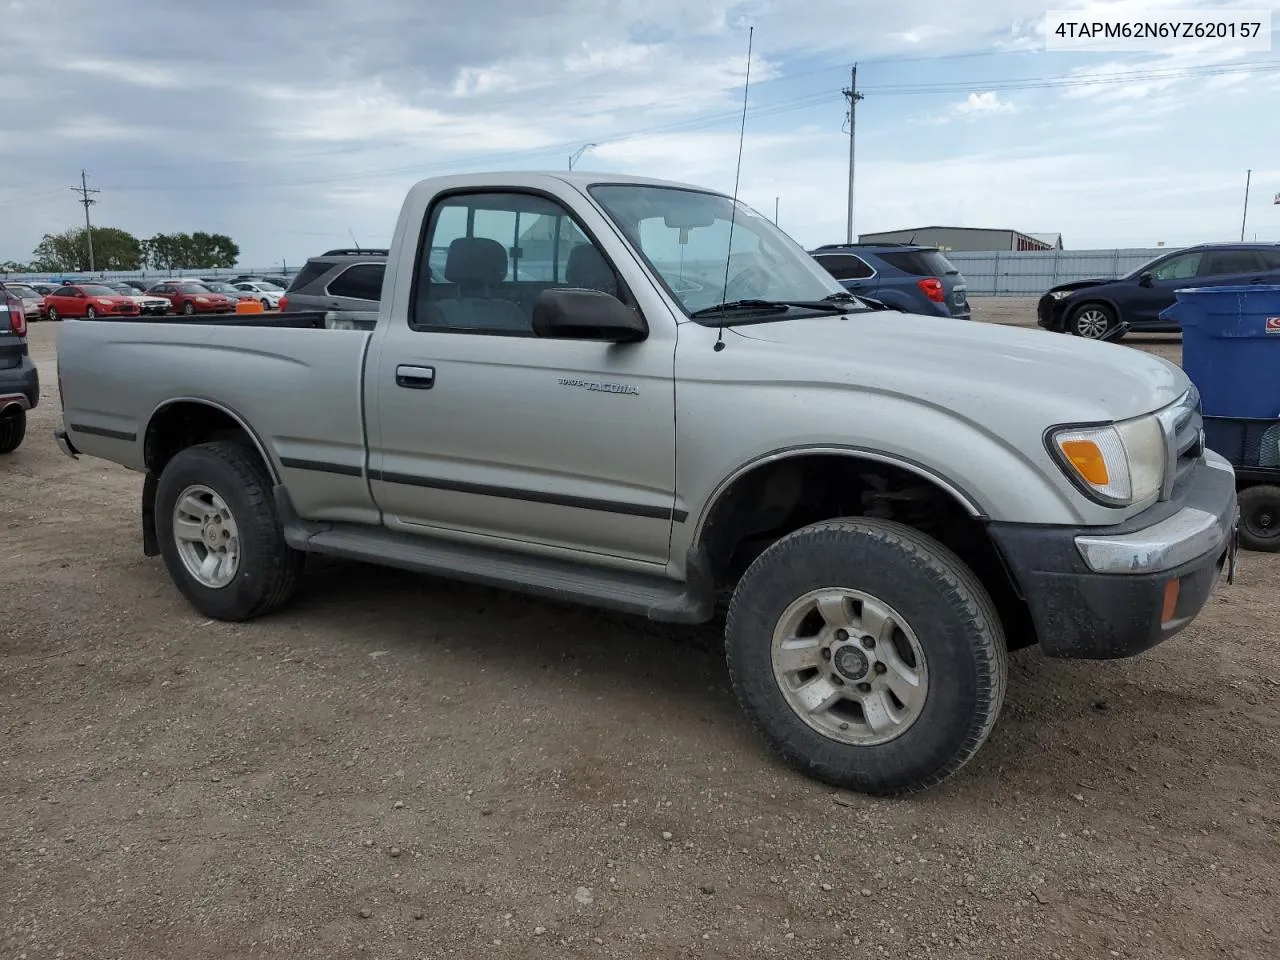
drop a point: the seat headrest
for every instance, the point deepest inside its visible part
(476, 260)
(588, 268)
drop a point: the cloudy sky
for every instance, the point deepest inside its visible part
(292, 126)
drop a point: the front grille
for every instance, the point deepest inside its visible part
(1184, 429)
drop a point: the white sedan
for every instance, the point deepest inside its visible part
(268, 293)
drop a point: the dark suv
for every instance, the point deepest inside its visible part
(338, 280)
(19, 381)
(1091, 308)
(903, 276)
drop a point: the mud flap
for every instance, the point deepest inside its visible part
(150, 541)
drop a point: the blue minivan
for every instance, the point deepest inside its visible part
(903, 276)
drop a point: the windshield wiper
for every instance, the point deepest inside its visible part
(773, 306)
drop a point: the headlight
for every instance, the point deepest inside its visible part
(1060, 294)
(202, 299)
(1117, 464)
(104, 303)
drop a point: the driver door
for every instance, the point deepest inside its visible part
(1178, 271)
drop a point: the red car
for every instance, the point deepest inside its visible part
(188, 296)
(88, 300)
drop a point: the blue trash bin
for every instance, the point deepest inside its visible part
(1231, 347)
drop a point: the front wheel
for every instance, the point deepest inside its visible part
(1260, 518)
(266, 304)
(867, 654)
(90, 313)
(220, 534)
(54, 316)
(1092, 321)
(188, 308)
(13, 428)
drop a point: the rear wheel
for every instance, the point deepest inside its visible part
(867, 654)
(1260, 518)
(220, 534)
(13, 427)
(1092, 321)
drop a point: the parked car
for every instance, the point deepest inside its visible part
(338, 280)
(887, 503)
(148, 304)
(267, 293)
(230, 291)
(139, 285)
(19, 380)
(88, 301)
(906, 277)
(32, 299)
(1091, 308)
(44, 287)
(190, 297)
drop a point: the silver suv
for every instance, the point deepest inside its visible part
(338, 280)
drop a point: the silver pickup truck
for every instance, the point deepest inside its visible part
(644, 396)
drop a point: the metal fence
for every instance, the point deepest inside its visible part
(996, 273)
(1026, 273)
(155, 275)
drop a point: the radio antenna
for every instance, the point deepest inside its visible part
(733, 215)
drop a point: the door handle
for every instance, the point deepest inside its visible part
(415, 378)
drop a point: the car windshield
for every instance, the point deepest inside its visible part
(194, 288)
(123, 289)
(98, 290)
(221, 288)
(21, 292)
(684, 236)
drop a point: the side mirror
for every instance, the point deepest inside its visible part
(567, 313)
(1146, 280)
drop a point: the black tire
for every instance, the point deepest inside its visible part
(54, 316)
(13, 428)
(90, 313)
(1260, 518)
(269, 570)
(188, 308)
(1084, 321)
(950, 613)
(266, 304)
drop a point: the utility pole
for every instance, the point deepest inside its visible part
(775, 210)
(1247, 177)
(87, 200)
(853, 97)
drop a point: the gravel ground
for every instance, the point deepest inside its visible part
(401, 767)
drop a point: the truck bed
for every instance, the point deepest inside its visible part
(292, 319)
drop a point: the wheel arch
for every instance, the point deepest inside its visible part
(183, 422)
(777, 493)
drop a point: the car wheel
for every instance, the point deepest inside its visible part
(867, 654)
(1092, 320)
(188, 308)
(13, 427)
(1260, 518)
(220, 533)
(90, 313)
(54, 316)
(266, 304)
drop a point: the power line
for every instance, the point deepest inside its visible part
(86, 198)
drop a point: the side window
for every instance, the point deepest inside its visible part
(1222, 263)
(486, 257)
(310, 273)
(1179, 268)
(1270, 259)
(844, 267)
(361, 281)
(65, 292)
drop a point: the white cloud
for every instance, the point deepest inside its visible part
(980, 104)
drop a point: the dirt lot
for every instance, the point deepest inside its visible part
(400, 767)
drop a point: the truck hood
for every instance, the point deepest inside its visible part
(974, 369)
(1084, 284)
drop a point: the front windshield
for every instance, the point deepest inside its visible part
(98, 290)
(684, 237)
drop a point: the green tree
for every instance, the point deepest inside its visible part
(191, 251)
(113, 249)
